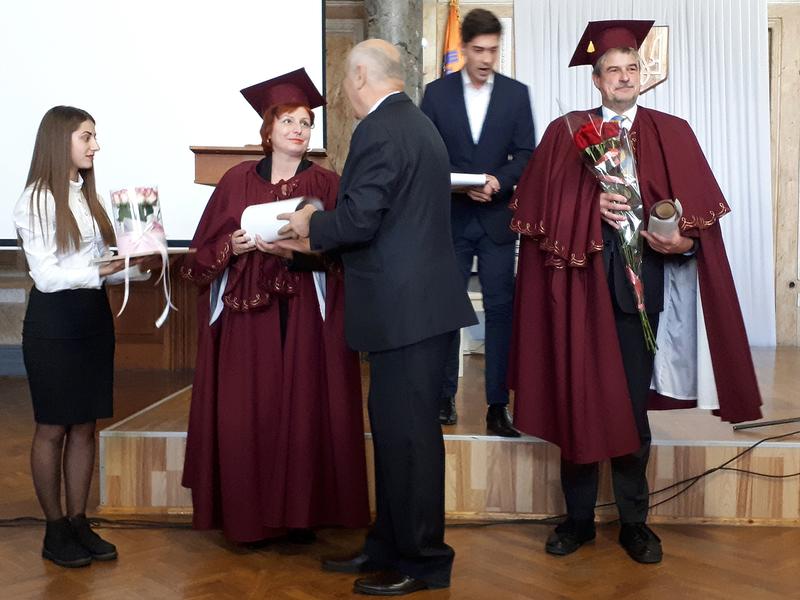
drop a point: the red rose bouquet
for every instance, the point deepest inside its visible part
(606, 150)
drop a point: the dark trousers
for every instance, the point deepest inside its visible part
(579, 481)
(408, 533)
(496, 274)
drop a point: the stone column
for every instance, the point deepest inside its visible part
(400, 22)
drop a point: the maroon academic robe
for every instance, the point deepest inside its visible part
(565, 365)
(276, 436)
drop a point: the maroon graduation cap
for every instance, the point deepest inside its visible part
(601, 36)
(294, 87)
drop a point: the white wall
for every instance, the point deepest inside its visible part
(158, 77)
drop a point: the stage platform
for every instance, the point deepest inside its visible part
(490, 477)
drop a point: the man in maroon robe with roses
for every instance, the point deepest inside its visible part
(580, 367)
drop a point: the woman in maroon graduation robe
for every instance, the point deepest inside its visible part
(276, 438)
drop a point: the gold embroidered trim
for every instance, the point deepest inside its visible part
(241, 305)
(559, 258)
(212, 271)
(701, 223)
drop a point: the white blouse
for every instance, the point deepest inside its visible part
(50, 269)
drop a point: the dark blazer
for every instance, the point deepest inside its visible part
(652, 275)
(503, 149)
(392, 225)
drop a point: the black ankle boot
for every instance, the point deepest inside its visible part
(61, 547)
(93, 543)
(498, 422)
(301, 536)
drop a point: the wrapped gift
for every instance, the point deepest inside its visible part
(137, 220)
(140, 232)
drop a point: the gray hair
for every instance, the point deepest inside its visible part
(598, 66)
(382, 61)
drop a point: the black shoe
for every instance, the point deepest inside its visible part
(499, 423)
(447, 411)
(388, 583)
(569, 536)
(93, 543)
(301, 536)
(61, 547)
(360, 563)
(641, 544)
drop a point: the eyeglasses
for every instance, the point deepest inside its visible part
(290, 122)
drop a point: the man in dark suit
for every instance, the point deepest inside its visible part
(486, 122)
(404, 302)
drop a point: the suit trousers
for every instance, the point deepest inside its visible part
(408, 533)
(496, 274)
(628, 473)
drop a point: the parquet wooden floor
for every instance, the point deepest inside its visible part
(498, 563)
(492, 563)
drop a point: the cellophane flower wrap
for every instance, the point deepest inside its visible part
(606, 150)
(137, 220)
(139, 230)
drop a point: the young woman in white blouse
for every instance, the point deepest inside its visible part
(68, 333)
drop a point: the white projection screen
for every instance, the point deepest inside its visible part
(158, 77)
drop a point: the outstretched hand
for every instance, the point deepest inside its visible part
(299, 220)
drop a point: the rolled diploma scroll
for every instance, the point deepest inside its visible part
(458, 180)
(262, 220)
(664, 217)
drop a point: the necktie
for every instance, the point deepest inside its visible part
(621, 120)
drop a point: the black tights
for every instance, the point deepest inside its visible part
(62, 447)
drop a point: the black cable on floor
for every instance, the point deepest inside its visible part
(105, 523)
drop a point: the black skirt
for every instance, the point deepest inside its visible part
(68, 349)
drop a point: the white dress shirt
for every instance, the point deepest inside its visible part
(476, 100)
(50, 269)
(627, 117)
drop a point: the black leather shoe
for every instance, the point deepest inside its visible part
(94, 544)
(569, 536)
(641, 544)
(499, 423)
(61, 546)
(301, 536)
(388, 583)
(360, 563)
(447, 411)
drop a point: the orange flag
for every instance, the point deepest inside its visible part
(453, 60)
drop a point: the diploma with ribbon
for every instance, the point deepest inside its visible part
(140, 232)
(665, 216)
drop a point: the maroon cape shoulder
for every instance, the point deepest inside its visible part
(276, 436)
(566, 367)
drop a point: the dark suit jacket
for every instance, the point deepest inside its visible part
(392, 225)
(652, 275)
(503, 149)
